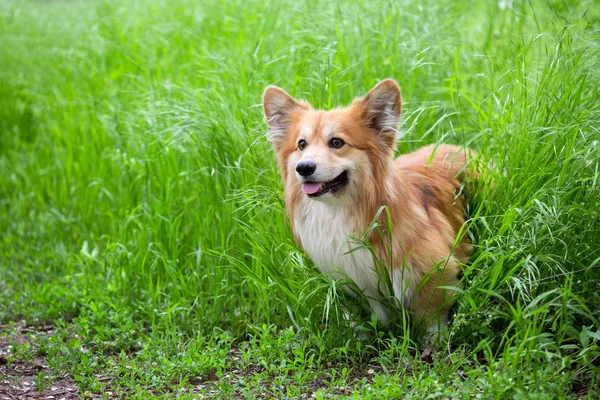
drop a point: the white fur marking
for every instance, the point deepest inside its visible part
(306, 131)
(323, 230)
(403, 284)
(329, 130)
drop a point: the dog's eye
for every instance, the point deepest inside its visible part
(336, 143)
(302, 144)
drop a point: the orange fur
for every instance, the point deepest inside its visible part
(418, 189)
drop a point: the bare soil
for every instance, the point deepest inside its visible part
(29, 378)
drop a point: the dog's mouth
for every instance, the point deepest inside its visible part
(316, 189)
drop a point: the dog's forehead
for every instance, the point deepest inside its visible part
(307, 127)
(318, 123)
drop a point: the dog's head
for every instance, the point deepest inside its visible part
(327, 154)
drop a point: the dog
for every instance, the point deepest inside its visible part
(338, 170)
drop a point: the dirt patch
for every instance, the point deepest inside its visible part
(238, 374)
(24, 374)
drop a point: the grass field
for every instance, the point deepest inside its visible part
(144, 251)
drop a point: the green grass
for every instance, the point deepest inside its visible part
(141, 208)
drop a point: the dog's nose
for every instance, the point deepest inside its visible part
(306, 168)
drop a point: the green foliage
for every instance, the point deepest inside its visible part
(141, 207)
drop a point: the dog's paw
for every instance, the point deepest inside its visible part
(435, 336)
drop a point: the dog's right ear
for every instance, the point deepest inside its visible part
(381, 109)
(278, 107)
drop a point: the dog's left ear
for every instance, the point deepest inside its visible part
(278, 107)
(381, 109)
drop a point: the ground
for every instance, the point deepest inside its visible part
(28, 377)
(25, 373)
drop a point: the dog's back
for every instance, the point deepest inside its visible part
(436, 174)
(426, 222)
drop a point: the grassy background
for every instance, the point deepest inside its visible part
(141, 208)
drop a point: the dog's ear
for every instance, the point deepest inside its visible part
(278, 107)
(381, 109)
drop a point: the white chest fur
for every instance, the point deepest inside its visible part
(324, 231)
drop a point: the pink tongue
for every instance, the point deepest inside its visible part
(310, 188)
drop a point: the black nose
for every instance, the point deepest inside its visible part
(306, 168)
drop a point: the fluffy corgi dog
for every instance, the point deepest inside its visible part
(338, 169)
